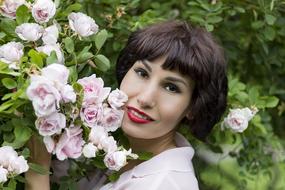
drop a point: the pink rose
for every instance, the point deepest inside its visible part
(9, 7)
(96, 134)
(117, 99)
(82, 24)
(70, 143)
(92, 114)
(44, 95)
(237, 120)
(112, 119)
(43, 10)
(115, 160)
(94, 91)
(51, 124)
(11, 54)
(50, 144)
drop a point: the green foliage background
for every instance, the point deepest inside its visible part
(252, 33)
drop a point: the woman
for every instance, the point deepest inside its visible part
(172, 73)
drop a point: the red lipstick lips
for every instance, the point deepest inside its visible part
(138, 116)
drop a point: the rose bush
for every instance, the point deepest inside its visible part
(48, 92)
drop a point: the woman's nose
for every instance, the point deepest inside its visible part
(147, 97)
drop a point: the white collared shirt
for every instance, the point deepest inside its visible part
(169, 170)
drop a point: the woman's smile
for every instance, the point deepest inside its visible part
(138, 116)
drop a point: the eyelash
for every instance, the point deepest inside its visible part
(144, 74)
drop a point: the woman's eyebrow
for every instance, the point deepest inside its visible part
(146, 64)
(174, 79)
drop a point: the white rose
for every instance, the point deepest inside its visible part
(11, 53)
(57, 73)
(43, 10)
(97, 133)
(82, 24)
(51, 124)
(47, 49)
(89, 150)
(68, 94)
(117, 99)
(237, 120)
(29, 31)
(50, 35)
(18, 165)
(115, 160)
(44, 96)
(7, 153)
(3, 174)
(9, 7)
(108, 144)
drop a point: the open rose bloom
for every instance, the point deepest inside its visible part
(10, 163)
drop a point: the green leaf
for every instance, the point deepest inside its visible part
(68, 44)
(253, 95)
(100, 38)
(9, 83)
(257, 24)
(6, 105)
(22, 14)
(71, 8)
(209, 27)
(102, 62)
(214, 19)
(12, 184)
(271, 102)
(144, 155)
(8, 26)
(114, 176)
(2, 35)
(84, 57)
(52, 58)
(22, 135)
(198, 19)
(26, 153)
(270, 19)
(39, 169)
(269, 33)
(36, 58)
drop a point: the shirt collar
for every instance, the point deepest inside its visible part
(176, 159)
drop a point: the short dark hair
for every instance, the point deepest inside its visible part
(191, 51)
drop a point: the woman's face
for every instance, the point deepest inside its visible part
(158, 99)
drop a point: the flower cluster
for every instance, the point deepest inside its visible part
(237, 119)
(42, 12)
(11, 164)
(101, 111)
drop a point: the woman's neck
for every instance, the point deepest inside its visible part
(155, 145)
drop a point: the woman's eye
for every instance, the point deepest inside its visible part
(141, 72)
(172, 88)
